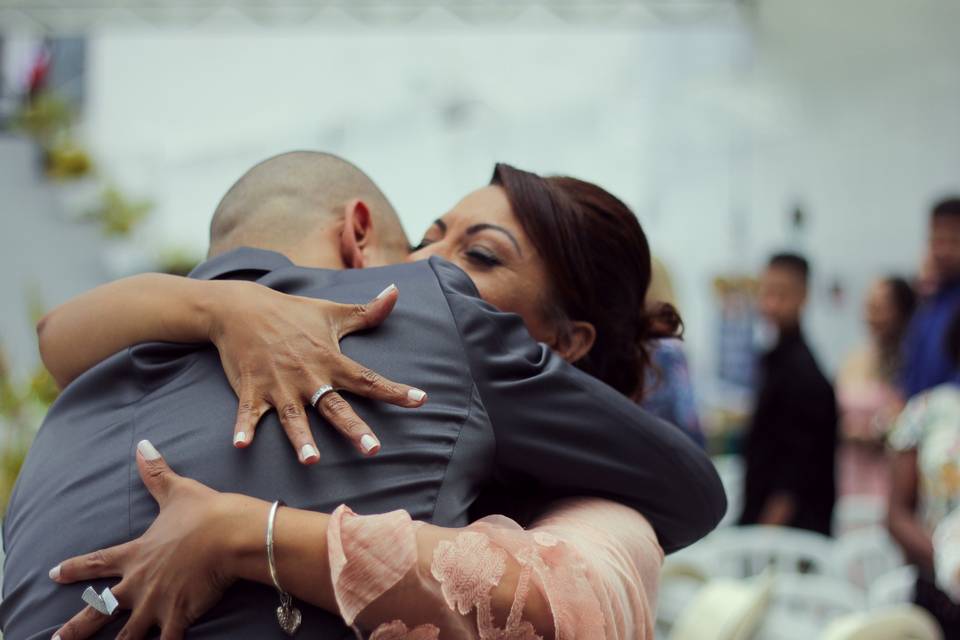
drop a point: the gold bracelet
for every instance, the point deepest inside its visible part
(287, 615)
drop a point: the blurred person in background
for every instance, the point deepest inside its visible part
(926, 364)
(866, 388)
(791, 440)
(925, 480)
(667, 386)
(926, 282)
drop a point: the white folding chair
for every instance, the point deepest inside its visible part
(900, 622)
(893, 587)
(803, 605)
(725, 609)
(741, 552)
(863, 555)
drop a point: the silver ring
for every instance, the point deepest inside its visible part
(319, 393)
(105, 603)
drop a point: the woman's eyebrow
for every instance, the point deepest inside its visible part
(477, 228)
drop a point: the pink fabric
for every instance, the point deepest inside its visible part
(596, 564)
(368, 556)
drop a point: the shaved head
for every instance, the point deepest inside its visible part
(282, 200)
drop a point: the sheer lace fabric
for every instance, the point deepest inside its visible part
(593, 563)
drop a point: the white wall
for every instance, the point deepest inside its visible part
(864, 131)
(712, 132)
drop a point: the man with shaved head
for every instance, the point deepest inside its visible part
(300, 203)
(503, 411)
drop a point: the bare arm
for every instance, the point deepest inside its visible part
(276, 349)
(203, 540)
(93, 326)
(902, 520)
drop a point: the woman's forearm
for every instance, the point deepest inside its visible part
(93, 326)
(304, 568)
(300, 547)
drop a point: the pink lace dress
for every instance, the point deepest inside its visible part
(587, 570)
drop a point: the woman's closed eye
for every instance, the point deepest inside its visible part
(483, 257)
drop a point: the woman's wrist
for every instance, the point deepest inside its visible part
(212, 303)
(241, 523)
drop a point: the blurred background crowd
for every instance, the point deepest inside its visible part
(796, 166)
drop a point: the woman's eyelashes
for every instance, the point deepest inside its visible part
(483, 257)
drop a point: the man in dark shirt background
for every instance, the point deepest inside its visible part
(792, 437)
(927, 363)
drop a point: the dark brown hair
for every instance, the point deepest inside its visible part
(598, 261)
(946, 208)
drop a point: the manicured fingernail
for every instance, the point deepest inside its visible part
(56, 636)
(368, 443)
(147, 450)
(307, 452)
(386, 291)
(416, 395)
(55, 573)
(240, 438)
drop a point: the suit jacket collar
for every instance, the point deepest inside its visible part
(258, 262)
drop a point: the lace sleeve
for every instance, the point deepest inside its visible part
(587, 570)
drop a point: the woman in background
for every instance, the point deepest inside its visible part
(667, 385)
(866, 389)
(925, 482)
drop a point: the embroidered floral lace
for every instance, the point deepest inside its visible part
(590, 566)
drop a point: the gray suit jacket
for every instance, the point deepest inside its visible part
(503, 412)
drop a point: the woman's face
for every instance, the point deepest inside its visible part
(483, 237)
(879, 311)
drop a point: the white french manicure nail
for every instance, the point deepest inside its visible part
(55, 573)
(308, 451)
(416, 395)
(385, 291)
(56, 637)
(368, 443)
(147, 450)
(240, 437)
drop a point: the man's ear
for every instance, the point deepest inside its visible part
(577, 342)
(356, 233)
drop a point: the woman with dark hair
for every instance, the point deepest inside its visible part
(866, 388)
(573, 262)
(925, 484)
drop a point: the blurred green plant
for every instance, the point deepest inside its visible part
(22, 407)
(49, 120)
(67, 160)
(23, 404)
(117, 214)
(44, 117)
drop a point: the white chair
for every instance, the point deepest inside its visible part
(803, 605)
(864, 554)
(893, 587)
(741, 552)
(858, 512)
(680, 583)
(725, 609)
(901, 622)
